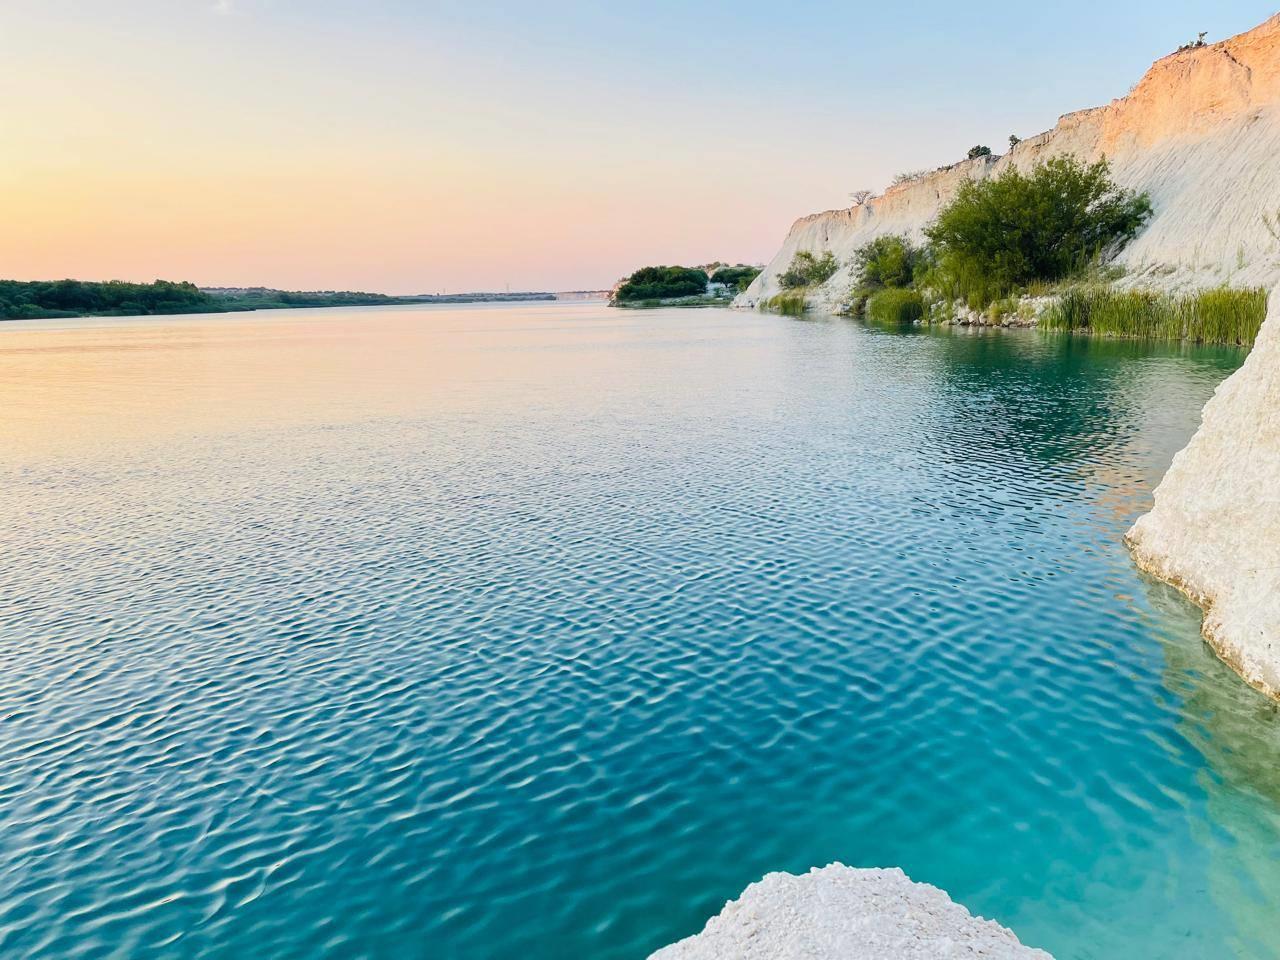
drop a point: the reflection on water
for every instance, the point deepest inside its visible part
(542, 630)
(1238, 734)
(71, 385)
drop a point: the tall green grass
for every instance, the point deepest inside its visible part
(790, 303)
(895, 305)
(1211, 316)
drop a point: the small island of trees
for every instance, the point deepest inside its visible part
(684, 286)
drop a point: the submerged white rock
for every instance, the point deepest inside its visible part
(1214, 531)
(839, 913)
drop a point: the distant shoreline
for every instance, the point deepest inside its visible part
(70, 299)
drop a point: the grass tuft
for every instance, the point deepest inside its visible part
(1222, 315)
(895, 305)
(790, 303)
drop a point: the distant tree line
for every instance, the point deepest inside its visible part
(73, 298)
(77, 298)
(264, 298)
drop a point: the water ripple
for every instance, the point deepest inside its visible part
(525, 633)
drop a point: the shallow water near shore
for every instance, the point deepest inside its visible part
(540, 631)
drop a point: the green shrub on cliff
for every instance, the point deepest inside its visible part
(806, 270)
(888, 261)
(999, 234)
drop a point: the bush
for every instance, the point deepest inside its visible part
(1212, 316)
(806, 270)
(738, 277)
(660, 283)
(895, 305)
(888, 261)
(908, 175)
(979, 151)
(999, 234)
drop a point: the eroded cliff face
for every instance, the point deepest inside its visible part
(1214, 531)
(1200, 133)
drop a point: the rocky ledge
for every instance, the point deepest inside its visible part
(839, 913)
(1214, 531)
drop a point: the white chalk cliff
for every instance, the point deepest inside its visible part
(838, 913)
(1215, 528)
(1200, 133)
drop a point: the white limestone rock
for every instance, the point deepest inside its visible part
(1214, 531)
(839, 913)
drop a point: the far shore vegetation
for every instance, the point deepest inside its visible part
(661, 283)
(74, 298)
(1004, 242)
(48, 299)
(736, 278)
(265, 298)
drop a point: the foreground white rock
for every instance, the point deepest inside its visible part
(1200, 132)
(1214, 531)
(839, 913)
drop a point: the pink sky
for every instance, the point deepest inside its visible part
(440, 146)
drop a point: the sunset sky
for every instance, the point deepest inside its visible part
(412, 147)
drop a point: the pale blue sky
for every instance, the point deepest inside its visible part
(445, 145)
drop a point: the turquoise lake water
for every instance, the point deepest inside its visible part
(541, 631)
